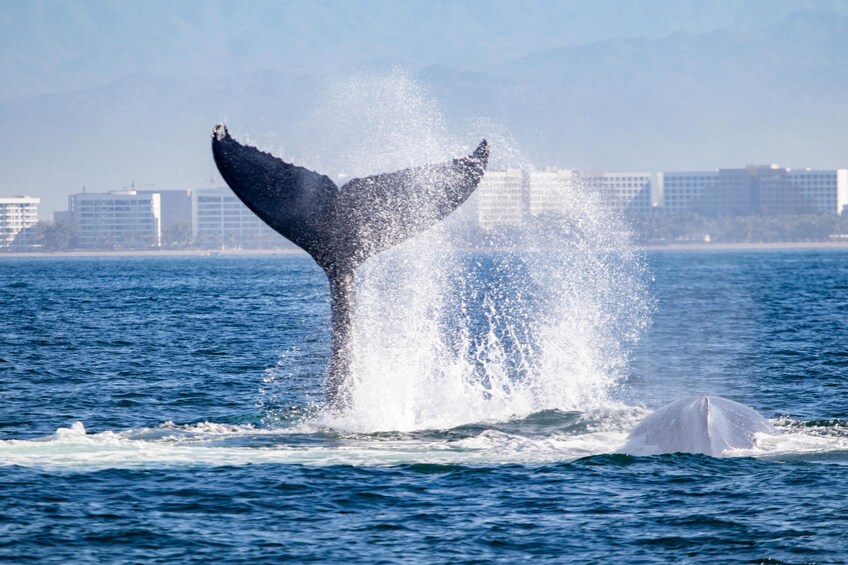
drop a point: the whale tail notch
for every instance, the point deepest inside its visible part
(342, 227)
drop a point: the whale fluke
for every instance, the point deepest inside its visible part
(342, 227)
(709, 425)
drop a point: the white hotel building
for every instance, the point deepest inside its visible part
(628, 192)
(500, 199)
(117, 220)
(826, 190)
(218, 219)
(507, 198)
(548, 190)
(681, 191)
(765, 189)
(221, 220)
(17, 214)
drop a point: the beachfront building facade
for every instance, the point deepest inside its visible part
(215, 218)
(18, 214)
(682, 191)
(501, 199)
(176, 216)
(627, 192)
(826, 190)
(510, 197)
(768, 190)
(122, 219)
(549, 191)
(222, 221)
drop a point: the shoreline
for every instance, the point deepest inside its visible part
(153, 253)
(773, 246)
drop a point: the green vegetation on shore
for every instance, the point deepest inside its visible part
(694, 228)
(657, 230)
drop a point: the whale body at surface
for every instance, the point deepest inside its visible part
(709, 425)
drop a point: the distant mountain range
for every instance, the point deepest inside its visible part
(737, 87)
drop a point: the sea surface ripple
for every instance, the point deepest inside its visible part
(148, 414)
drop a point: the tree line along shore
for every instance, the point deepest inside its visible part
(655, 231)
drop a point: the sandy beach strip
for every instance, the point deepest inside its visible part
(771, 246)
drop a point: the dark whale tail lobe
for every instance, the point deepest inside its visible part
(342, 227)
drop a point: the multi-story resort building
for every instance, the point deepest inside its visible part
(549, 189)
(216, 218)
(117, 220)
(221, 220)
(130, 219)
(681, 191)
(17, 215)
(826, 190)
(628, 192)
(501, 199)
(763, 190)
(508, 197)
(175, 217)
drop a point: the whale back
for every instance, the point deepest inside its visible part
(709, 425)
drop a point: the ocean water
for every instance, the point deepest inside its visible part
(170, 410)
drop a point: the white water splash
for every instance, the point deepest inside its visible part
(424, 358)
(567, 438)
(375, 123)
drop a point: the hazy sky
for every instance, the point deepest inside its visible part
(102, 94)
(58, 45)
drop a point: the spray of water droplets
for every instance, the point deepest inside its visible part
(456, 326)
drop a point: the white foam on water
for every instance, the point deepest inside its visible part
(212, 445)
(799, 440)
(602, 431)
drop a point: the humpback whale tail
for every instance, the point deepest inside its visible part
(342, 227)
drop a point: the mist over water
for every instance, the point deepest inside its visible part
(370, 123)
(443, 336)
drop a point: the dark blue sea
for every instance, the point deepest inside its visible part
(169, 410)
